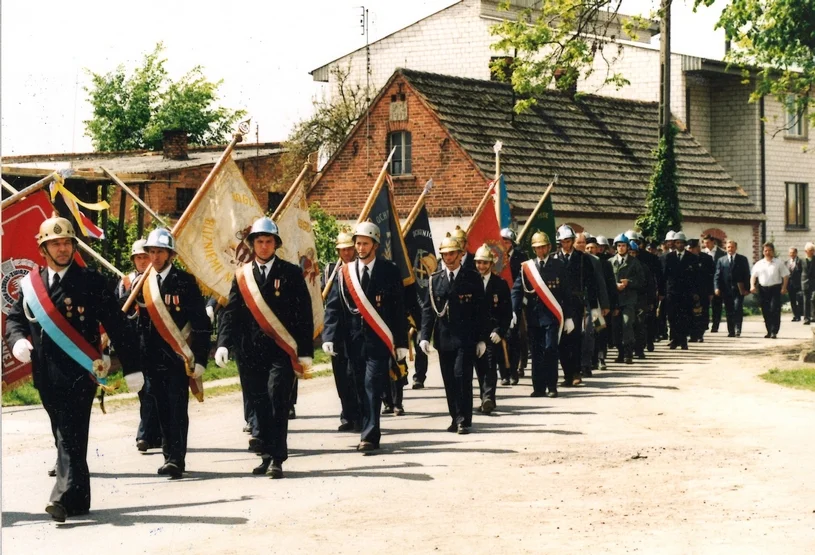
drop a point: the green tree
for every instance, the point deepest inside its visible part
(326, 230)
(131, 111)
(662, 211)
(776, 38)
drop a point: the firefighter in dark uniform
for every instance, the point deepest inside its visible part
(454, 317)
(467, 258)
(81, 296)
(653, 267)
(630, 280)
(165, 370)
(714, 250)
(498, 312)
(543, 324)
(350, 418)
(662, 312)
(707, 269)
(268, 368)
(583, 293)
(517, 340)
(681, 290)
(644, 296)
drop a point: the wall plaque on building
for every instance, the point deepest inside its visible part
(398, 111)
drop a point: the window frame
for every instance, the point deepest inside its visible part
(405, 144)
(797, 129)
(178, 197)
(800, 189)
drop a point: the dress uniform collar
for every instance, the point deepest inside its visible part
(370, 266)
(448, 271)
(52, 273)
(543, 260)
(267, 266)
(165, 272)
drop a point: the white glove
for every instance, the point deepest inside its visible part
(514, 321)
(305, 362)
(211, 314)
(480, 349)
(221, 356)
(424, 345)
(328, 348)
(135, 381)
(401, 353)
(568, 326)
(22, 350)
(495, 338)
(198, 371)
(595, 314)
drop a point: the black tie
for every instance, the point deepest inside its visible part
(262, 268)
(158, 280)
(54, 283)
(730, 260)
(541, 266)
(366, 279)
(452, 277)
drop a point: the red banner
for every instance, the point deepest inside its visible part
(485, 230)
(21, 223)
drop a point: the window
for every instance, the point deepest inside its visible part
(796, 118)
(400, 164)
(183, 197)
(797, 206)
(274, 201)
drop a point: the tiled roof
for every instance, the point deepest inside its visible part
(599, 147)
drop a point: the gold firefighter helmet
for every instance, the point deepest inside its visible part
(460, 235)
(484, 253)
(55, 228)
(540, 239)
(449, 244)
(345, 240)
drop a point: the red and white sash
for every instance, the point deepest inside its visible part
(533, 276)
(266, 318)
(366, 309)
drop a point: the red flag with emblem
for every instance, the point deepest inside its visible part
(484, 230)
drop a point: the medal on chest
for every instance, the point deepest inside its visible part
(68, 307)
(277, 288)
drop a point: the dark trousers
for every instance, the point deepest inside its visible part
(624, 327)
(70, 414)
(662, 319)
(168, 387)
(771, 307)
(651, 326)
(149, 427)
(571, 345)
(680, 317)
(716, 313)
(734, 310)
(514, 347)
(806, 294)
(419, 361)
(796, 302)
(701, 320)
(248, 408)
(370, 380)
(486, 369)
(394, 392)
(457, 373)
(543, 342)
(344, 380)
(269, 388)
(640, 334)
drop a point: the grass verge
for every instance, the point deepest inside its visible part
(799, 378)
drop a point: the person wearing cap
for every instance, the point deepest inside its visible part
(716, 252)
(644, 297)
(630, 279)
(467, 258)
(583, 293)
(707, 269)
(597, 313)
(498, 313)
(542, 291)
(57, 298)
(610, 287)
(653, 273)
(368, 298)
(148, 434)
(267, 326)
(169, 302)
(731, 282)
(768, 279)
(350, 417)
(681, 278)
(517, 344)
(454, 316)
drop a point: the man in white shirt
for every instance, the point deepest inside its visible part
(769, 279)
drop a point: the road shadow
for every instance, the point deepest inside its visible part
(381, 471)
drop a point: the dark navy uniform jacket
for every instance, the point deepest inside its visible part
(537, 313)
(464, 323)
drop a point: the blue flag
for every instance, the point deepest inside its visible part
(505, 218)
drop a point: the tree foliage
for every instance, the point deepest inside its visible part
(131, 111)
(557, 44)
(662, 211)
(326, 230)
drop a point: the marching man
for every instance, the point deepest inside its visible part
(369, 296)
(174, 332)
(267, 322)
(54, 324)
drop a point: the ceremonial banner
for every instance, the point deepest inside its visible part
(484, 230)
(84, 224)
(299, 247)
(211, 243)
(391, 245)
(543, 220)
(502, 206)
(421, 250)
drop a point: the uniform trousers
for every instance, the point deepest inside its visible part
(716, 313)
(640, 333)
(514, 347)
(543, 342)
(806, 293)
(680, 317)
(771, 307)
(587, 345)
(370, 380)
(248, 409)
(651, 332)
(167, 385)
(457, 373)
(624, 336)
(70, 414)
(270, 386)
(796, 303)
(570, 350)
(734, 310)
(486, 369)
(419, 361)
(394, 393)
(149, 429)
(344, 380)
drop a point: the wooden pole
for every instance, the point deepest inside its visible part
(140, 223)
(665, 68)
(414, 213)
(290, 193)
(106, 240)
(535, 211)
(331, 279)
(243, 128)
(121, 231)
(481, 206)
(377, 186)
(42, 183)
(134, 196)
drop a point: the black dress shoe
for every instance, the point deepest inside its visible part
(552, 394)
(684, 346)
(418, 385)
(52, 471)
(398, 411)
(701, 340)
(57, 511)
(714, 330)
(247, 429)
(537, 394)
(521, 372)
(487, 406)
(142, 445)
(587, 374)
(505, 381)
(387, 409)
(463, 430)
(566, 383)
(345, 427)
(515, 380)
(641, 356)
(367, 446)
(255, 445)
(774, 336)
(452, 428)
(672, 345)
(261, 469)
(767, 336)
(292, 414)
(629, 360)
(275, 472)
(650, 347)
(806, 322)
(731, 335)
(170, 469)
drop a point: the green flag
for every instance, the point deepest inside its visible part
(543, 220)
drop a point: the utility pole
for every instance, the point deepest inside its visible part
(665, 68)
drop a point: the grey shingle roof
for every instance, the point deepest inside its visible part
(599, 147)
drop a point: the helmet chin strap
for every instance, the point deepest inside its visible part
(52, 261)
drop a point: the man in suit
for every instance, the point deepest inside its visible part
(583, 285)
(77, 298)
(732, 279)
(498, 312)
(808, 281)
(681, 290)
(662, 312)
(454, 316)
(795, 269)
(543, 292)
(594, 247)
(707, 270)
(714, 250)
(369, 297)
(630, 282)
(653, 273)
(590, 334)
(173, 297)
(350, 417)
(517, 341)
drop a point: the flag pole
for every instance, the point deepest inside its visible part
(133, 195)
(414, 212)
(19, 195)
(481, 206)
(375, 191)
(83, 246)
(497, 148)
(535, 211)
(290, 193)
(243, 128)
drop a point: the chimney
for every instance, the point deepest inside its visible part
(174, 144)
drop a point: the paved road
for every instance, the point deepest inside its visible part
(682, 453)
